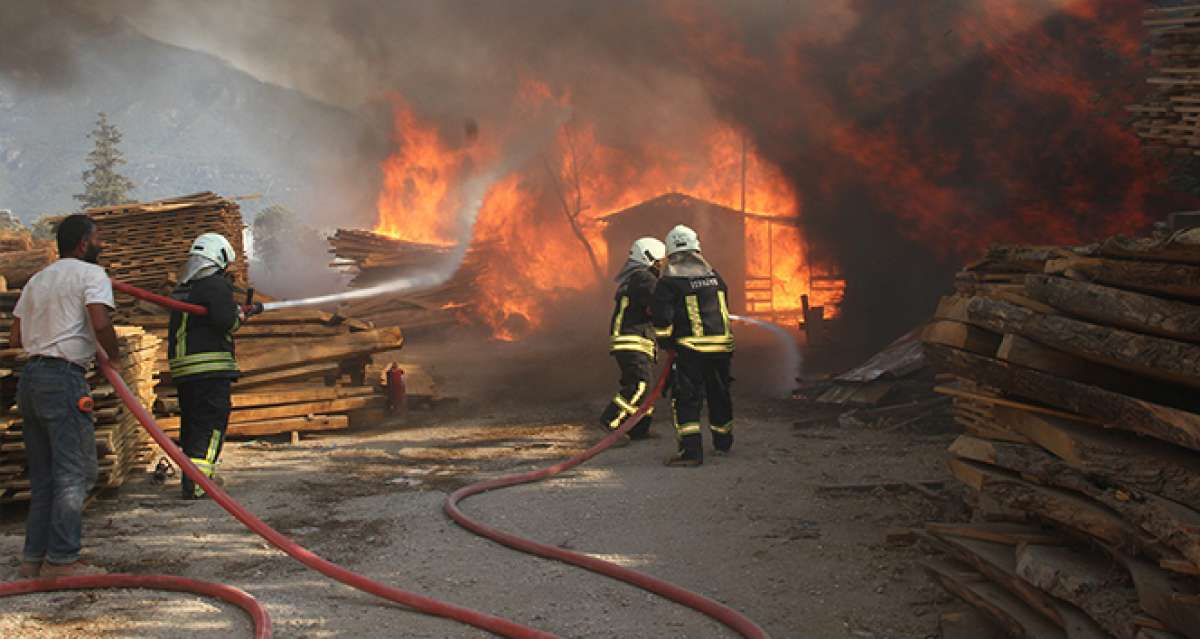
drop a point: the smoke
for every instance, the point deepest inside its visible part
(914, 133)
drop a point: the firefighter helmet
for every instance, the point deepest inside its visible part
(682, 238)
(215, 248)
(647, 250)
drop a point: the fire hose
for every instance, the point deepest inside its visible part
(262, 622)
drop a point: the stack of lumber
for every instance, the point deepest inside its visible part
(303, 370)
(1170, 116)
(21, 256)
(147, 242)
(122, 446)
(1077, 376)
(376, 259)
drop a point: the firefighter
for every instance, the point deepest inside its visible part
(200, 352)
(691, 306)
(632, 337)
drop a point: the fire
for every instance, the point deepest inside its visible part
(420, 183)
(541, 223)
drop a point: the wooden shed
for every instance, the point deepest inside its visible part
(740, 245)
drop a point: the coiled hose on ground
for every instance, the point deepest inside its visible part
(262, 622)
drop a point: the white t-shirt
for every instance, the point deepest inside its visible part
(53, 310)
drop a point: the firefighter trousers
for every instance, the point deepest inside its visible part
(699, 379)
(637, 372)
(205, 406)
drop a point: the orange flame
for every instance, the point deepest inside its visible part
(420, 180)
(540, 224)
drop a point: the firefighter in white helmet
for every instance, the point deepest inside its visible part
(631, 335)
(691, 306)
(201, 354)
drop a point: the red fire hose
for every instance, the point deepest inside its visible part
(235, 596)
(497, 625)
(722, 613)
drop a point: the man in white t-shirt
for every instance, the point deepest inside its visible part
(62, 314)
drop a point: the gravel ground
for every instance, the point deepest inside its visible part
(752, 530)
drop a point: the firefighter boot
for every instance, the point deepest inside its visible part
(623, 440)
(722, 442)
(690, 453)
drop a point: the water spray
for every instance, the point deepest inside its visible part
(792, 358)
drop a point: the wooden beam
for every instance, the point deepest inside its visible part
(1084, 580)
(1054, 505)
(1125, 460)
(1165, 278)
(1010, 613)
(1115, 307)
(960, 335)
(1113, 409)
(1161, 358)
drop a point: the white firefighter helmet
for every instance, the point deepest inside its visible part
(647, 250)
(682, 238)
(215, 248)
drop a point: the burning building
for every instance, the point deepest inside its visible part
(763, 258)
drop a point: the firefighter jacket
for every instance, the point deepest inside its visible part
(631, 328)
(200, 346)
(691, 306)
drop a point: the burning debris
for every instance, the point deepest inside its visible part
(376, 259)
(1075, 378)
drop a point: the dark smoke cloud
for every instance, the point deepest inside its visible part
(915, 132)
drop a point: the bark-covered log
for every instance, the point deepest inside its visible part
(1174, 280)
(1125, 460)
(1115, 307)
(1116, 410)
(1158, 357)
(1085, 580)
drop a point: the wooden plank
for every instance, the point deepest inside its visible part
(968, 624)
(1055, 505)
(1114, 409)
(997, 532)
(1122, 459)
(960, 335)
(286, 410)
(308, 352)
(1084, 580)
(1025, 352)
(1165, 278)
(1181, 247)
(1174, 525)
(1010, 613)
(1157, 592)
(1157, 357)
(286, 375)
(1001, 401)
(1115, 307)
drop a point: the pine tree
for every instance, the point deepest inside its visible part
(102, 184)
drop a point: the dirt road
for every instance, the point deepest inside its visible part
(759, 530)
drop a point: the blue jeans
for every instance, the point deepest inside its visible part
(60, 445)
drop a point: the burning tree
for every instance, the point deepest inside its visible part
(102, 184)
(577, 156)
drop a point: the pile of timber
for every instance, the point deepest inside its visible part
(1076, 373)
(302, 370)
(376, 259)
(1170, 116)
(21, 256)
(122, 446)
(147, 242)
